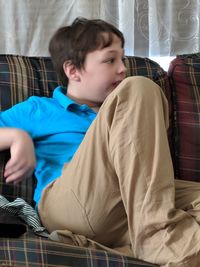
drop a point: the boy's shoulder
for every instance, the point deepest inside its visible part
(38, 100)
(41, 103)
(48, 99)
(34, 104)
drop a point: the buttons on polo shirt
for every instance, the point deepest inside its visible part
(84, 107)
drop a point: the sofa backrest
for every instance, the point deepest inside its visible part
(184, 74)
(21, 77)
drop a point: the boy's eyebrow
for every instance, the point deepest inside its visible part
(115, 51)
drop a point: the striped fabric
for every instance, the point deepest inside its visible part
(25, 212)
(184, 73)
(21, 77)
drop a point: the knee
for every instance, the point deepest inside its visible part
(139, 87)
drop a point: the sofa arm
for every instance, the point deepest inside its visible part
(184, 74)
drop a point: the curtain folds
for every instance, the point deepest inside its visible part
(150, 27)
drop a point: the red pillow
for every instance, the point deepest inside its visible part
(184, 73)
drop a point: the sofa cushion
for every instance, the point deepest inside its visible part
(21, 77)
(30, 250)
(184, 73)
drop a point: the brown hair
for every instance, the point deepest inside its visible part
(73, 43)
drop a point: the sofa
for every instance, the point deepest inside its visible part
(21, 77)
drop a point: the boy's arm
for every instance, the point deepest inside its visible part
(22, 156)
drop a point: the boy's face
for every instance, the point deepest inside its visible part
(103, 71)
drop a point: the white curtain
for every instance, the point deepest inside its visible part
(150, 27)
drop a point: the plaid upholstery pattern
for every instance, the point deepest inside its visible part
(37, 251)
(184, 73)
(150, 69)
(21, 77)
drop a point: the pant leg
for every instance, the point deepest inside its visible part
(119, 187)
(187, 197)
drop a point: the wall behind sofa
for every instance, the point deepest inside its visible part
(151, 27)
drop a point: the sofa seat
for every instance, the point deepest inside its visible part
(31, 250)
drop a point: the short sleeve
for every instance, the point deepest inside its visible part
(21, 116)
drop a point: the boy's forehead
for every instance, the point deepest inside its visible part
(115, 46)
(110, 51)
(108, 37)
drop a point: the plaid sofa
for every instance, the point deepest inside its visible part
(21, 77)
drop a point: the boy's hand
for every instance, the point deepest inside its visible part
(22, 161)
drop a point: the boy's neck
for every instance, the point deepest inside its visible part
(94, 106)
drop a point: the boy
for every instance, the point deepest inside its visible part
(117, 190)
(58, 125)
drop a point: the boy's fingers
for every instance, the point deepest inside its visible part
(11, 168)
(15, 177)
(16, 174)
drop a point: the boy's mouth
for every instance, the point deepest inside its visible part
(115, 84)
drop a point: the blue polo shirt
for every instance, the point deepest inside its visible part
(57, 126)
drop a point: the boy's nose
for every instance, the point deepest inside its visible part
(122, 68)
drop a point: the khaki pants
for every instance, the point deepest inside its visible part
(118, 191)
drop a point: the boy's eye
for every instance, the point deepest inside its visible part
(123, 60)
(110, 60)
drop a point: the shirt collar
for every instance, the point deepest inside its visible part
(60, 94)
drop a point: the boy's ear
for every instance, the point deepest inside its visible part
(71, 71)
